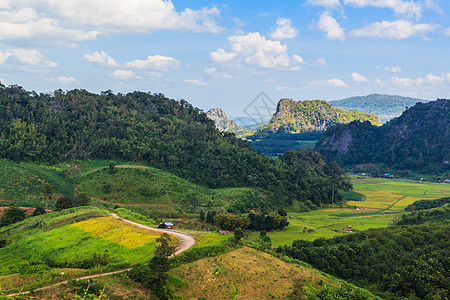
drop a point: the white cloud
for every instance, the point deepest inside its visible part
(406, 82)
(325, 3)
(446, 31)
(298, 58)
(123, 74)
(156, 62)
(399, 29)
(81, 20)
(410, 8)
(4, 56)
(222, 56)
(101, 58)
(332, 28)
(284, 30)
(32, 57)
(255, 50)
(333, 82)
(283, 88)
(336, 82)
(65, 79)
(393, 69)
(153, 74)
(434, 79)
(196, 81)
(322, 62)
(358, 77)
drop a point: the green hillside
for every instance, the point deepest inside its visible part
(311, 116)
(386, 107)
(141, 127)
(418, 140)
(74, 242)
(21, 183)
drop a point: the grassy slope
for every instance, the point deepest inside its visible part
(21, 183)
(142, 185)
(252, 274)
(396, 195)
(41, 246)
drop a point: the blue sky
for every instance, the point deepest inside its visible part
(224, 54)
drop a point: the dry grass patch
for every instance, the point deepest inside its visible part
(255, 275)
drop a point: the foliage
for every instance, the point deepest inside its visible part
(343, 292)
(12, 215)
(39, 211)
(231, 222)
(267, 222)
(407, 261)
(427, 204)
(137, 126)
(81, 200)
(63, 202)
(438, 214)
(310, 116)
(414, 141)
(238, 235)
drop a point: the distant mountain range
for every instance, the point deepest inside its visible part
(386, 107)
(312, 116)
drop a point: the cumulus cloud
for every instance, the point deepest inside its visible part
(446, 31)
(254, 49)
(399, 29)
(393, 69)
(100, 57)
(4, 56)
(65, 79)
(410, 8)
(85, 19)
(123, 74)
(222, 56)
(32, 57)
(284, 30)
(331, 27)
(359, 78)
(155, 62)
(325, 3)
(196, 81)
(428, 80)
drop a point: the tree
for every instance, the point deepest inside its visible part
(39, 211)
(82, 200)
(47, 191)
(238, 235)
(112, 167)
(63, 202)
(160, 264)
(202, 216)
(12, 215)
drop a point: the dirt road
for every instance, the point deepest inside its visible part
(186, 240)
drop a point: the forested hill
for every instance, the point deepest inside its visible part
(149, 127)
(417, 140)
(312, 116)
(386, 107)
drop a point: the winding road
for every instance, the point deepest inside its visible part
(186, 242)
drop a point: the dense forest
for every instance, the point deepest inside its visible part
(396, 262)
(386, 107)
(148, 127)
(311, 116)
(417, 140)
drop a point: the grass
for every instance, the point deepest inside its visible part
(40, 247)
(146, 189)
(21, 183)
(249, 274)
(395, 195)
(325, 223)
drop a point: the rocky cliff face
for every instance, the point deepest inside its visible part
(221, 120)
(310, 116)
